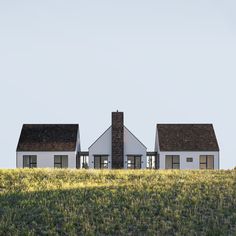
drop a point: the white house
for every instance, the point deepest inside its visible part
(48, 146)
(187, 146)
(117, 148)
(177, 146)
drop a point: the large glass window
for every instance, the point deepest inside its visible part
(207, 162)
(82, 160)
(151, 162)
(101, 161)
(29, 161)
(172, 162)
(60, 161)
(134, 162)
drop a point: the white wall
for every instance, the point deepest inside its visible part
(78, 148)
(46, 159)
(132, 146)
(102, 146)
(157, 146)
(189, 165)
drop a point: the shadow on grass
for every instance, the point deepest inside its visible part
(116, 210)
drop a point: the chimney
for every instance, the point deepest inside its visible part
(117, 140)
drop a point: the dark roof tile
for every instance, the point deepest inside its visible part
(187, 137)
(48, 137)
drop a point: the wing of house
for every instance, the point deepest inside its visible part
(177, 146)
(117, 148)
(187, 146)
(48, 145)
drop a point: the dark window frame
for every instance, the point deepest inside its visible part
(174, 163)
(134, 163)
(151, 161)
(82, 160)
(101, 163)
(206, 163)
(60, 163)
(189, 159)
(31, 163)
(85, 162)
(156, 161)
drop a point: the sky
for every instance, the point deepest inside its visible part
(158, 61)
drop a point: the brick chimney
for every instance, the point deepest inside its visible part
(117, 140)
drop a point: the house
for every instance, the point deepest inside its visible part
(187, 146)
(117, 148)
(48, 146)
(177, 146)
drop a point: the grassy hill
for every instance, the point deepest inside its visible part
(88, 202)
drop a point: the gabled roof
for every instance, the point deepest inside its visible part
(187, 137)
(135, 137)
(99, 137)
(109, 129)
(48, 137)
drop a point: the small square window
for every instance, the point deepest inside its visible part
(61, 161)
(101, 161)
(30, 161)
(134, 162)
(189, 159)
(172, 162)
(207, 162)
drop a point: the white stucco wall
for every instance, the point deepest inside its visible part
(157, 146)
(102, 146)
(132, 146)
(183, 157)
(189, 165)
(46, 159)
(78, 147)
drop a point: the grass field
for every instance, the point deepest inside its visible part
(88, 202)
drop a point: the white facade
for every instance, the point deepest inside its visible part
(99, 154)
(46, 159)
(184, 165)
(103, 146)
(132, 146)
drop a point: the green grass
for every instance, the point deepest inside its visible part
(88, 202)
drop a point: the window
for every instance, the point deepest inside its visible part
(60, 161)
(151, 162)
(189, 159)
(134, 162)
(207, 162)
(29, 161)
(172, 162)
(101, 161)
(82, 160)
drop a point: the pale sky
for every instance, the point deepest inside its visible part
(158, 61)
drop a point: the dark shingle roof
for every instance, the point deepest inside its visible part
(48, 137)
(187, 137)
